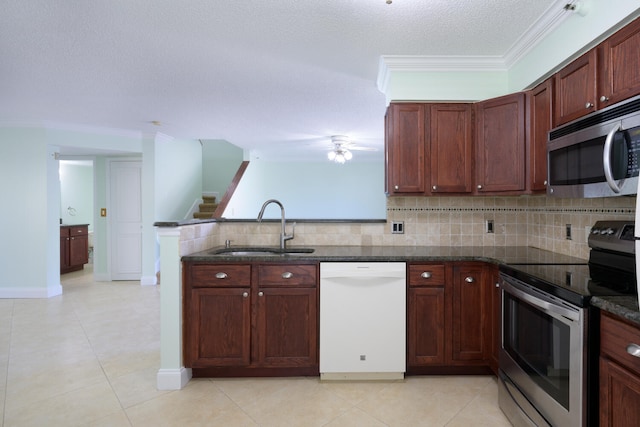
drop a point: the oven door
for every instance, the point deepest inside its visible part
(542, 357)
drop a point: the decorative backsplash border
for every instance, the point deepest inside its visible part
(604, 211)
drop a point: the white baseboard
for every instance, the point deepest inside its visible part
(20, 292)
(97, 277)
(173, 379)
(149, 280)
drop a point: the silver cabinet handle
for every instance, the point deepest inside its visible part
(395, 187)
(245, 294)
(604, 98)
(221, 275)
(287, 275)
(260, 293)
(588, 105)
(426, 275)
(469, 279)
(545, 182)
(497, 285)
(434, 188)
(479, 187)
(634, 350)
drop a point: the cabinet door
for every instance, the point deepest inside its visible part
(78, 250)
(450, 148)
(539, 123)
(405, 148)
(219, 327)
(496, 317)
(426, 326)
(500, 165)
(287, 327)
(575, 89)
(619, 396)
(470, 323)
(619, 62)
(64, 253)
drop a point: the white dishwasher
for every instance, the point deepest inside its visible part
(362, 320)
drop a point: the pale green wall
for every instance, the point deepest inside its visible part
(29, 219)
(313, 190)
(76, 192)
(178, 177)
(220, 162)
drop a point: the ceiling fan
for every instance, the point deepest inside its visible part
(342, 147)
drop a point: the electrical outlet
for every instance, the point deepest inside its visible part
(568, 232)
(363, 357)
(489, 226)
(397, 227)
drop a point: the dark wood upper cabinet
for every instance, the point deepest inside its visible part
(619, 65)
(539, 123)
(450, 148)
(500, 142)
(575, 89)
(405, 149)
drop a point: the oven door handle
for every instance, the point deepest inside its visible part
(606, 158)
(548, 307)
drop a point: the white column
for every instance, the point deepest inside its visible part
(172, 374)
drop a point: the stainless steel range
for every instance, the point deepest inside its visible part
(548, 358)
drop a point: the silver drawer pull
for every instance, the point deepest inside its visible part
(426, 275)
(287, 275)
(260, 294)
(469, 279)
(634, 350)
(221, 275)
(245, 294)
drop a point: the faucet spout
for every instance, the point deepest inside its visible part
(283, 233)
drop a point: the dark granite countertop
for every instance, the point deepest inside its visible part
(178, 223)
(623, 306)
(496, 255)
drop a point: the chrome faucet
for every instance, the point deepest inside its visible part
(283, 234)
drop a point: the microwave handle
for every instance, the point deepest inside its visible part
(606, 158)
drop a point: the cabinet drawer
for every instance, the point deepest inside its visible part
(615, 337)
(426, 275)
(287, 275)
(223, 275)
(78, 231)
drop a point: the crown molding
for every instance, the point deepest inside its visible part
(549, 21)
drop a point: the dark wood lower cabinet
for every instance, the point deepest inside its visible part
(619, 373)
(74, 247)
(251, 319)
(449, 326)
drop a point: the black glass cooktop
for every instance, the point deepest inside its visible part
(574, 283)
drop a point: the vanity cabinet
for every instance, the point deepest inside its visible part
(500, 145)
(251, 319)
(74, 247)
(429, 148)
(619, 372)
(448, 318)
(601, 77)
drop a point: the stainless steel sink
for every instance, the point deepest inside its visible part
(261, 251)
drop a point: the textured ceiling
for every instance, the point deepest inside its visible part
(259, 74)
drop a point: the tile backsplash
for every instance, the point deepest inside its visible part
(537, 221)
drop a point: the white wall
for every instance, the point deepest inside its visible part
(315, 190)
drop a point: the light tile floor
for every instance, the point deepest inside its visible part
(90, 356)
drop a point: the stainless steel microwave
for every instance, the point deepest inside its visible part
(596, 156)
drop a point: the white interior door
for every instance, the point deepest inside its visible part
(125, 186)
